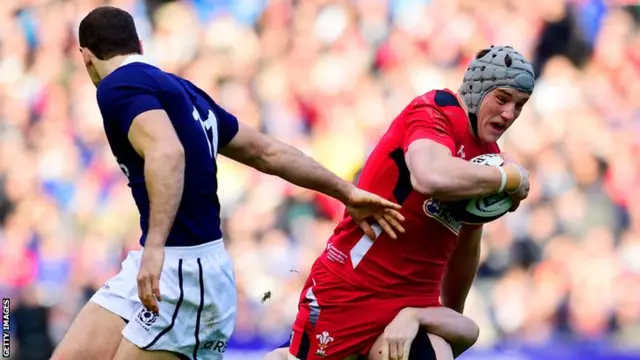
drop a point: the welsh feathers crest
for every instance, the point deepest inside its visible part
(323, 340)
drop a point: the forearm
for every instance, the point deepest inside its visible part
(294, 166)
(164, 176)
(452, 179)
(458, 330)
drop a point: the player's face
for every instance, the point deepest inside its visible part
(88, 59)
(499, 109)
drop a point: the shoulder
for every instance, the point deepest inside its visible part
(440, 106)
(445, 99)
(449, 106)
(440, 98)
(442, 101)
(192, 88)
(197, 92)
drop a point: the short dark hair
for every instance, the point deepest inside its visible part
(109, 31)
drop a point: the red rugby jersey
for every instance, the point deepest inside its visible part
(412, 265)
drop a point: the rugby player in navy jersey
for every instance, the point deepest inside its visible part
(176, 298)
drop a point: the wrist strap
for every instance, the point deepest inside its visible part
(521, 179)
(503, 180)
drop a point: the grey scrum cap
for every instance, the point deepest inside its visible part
(495, 67)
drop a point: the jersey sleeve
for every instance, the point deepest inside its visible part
(227, 125)
(425, 121)
(121, 100)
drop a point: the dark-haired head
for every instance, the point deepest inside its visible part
(105, 33)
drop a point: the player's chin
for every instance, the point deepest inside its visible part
(491, 134)
(489, 137)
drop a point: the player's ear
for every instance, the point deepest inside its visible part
(141, 48)
(86, 56)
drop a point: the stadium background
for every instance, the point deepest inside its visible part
(559, 279)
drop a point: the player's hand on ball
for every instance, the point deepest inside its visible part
(149, 277)
(523, 190)
(398, 336)
(363, 205)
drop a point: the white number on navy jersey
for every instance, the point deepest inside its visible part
(210, 129)
(363, 246)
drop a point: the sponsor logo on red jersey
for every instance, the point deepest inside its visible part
(437, 211)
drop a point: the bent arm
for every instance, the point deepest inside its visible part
(270, 156)
(152, 136)
(462, 268)
(435, 172)
(456, 329)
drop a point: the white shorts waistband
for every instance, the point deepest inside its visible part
(206, 249)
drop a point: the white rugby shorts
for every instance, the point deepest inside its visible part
(198, 308)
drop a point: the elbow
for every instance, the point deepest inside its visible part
(467, 335)
(172, 154)
(273, 158)
(470, 333)
(175, 153)
(265, 159)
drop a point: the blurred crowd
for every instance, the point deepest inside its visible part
(328, 76)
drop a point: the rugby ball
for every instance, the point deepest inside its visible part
(482, 209)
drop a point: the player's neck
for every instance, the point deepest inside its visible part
(463, 105)
(106, 67)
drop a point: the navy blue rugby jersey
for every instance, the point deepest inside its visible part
(202, 127)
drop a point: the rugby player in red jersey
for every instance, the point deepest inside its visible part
(359, 285)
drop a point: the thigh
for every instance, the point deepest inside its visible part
(93, 322)
(197, 311)
(103, 317)
(216, 315)
(129, 351)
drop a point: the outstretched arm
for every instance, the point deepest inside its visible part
(273, 157)
(270, 156)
